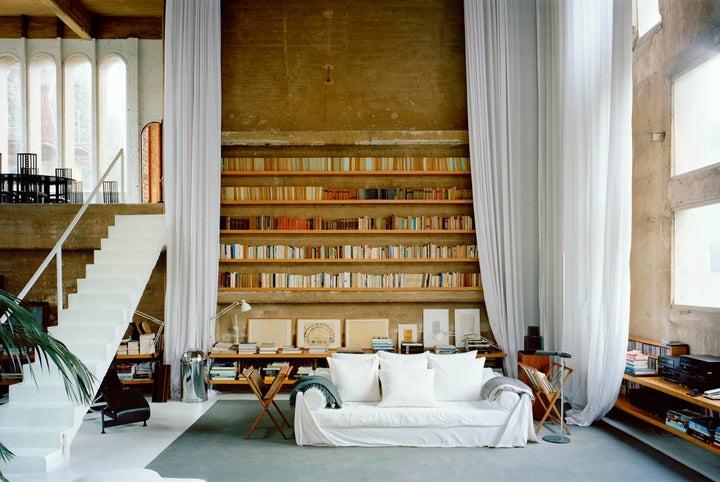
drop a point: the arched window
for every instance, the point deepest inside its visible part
(11, 113)
(78, 121)
(112, 103)
(42, 112)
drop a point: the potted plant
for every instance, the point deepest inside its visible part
(22, 334)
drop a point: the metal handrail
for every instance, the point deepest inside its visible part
(56, 251)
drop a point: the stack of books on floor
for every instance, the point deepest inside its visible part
(445, 349)
(247, 348)
(636, 363)
(679, 418)
(223, 347)
(146, 343)
(382, 343)
(267, 348)
(702, 428)
(410, 347)
(223, 370)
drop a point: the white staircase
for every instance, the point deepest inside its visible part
(39, 421)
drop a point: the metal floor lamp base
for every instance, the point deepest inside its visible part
(556, 439)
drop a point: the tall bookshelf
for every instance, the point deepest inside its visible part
(367, 235)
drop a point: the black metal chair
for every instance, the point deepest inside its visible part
(122, 404)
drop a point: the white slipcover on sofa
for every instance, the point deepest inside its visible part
(423, 400)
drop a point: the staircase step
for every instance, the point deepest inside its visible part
(90, 285)
(137, 220)
(118, 270)
(127, 254)
(108, 316)
(30, 460)
(32, 438)
(89, 331)
(101, 300)
(136, 231)
(31, 392)
(38, 416)
(118, 242)
(93, 350)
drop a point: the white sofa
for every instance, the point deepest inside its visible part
(423, 400)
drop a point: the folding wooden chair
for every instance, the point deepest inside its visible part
(266, 396)
(547, 389)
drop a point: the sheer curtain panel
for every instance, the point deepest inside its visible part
(502, 118)
(191, 156)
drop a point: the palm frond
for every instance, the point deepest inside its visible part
(21, 334)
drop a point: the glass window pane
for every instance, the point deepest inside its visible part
(696, 117)
(648, 15)
(697, 256)
(12, 132)
(113, 113)
(78, 124)
(42, 113)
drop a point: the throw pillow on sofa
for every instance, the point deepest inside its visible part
(457, 378)
(407, 387)
(356, 379)
(416, 361)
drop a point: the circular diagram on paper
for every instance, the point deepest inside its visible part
(319, 334)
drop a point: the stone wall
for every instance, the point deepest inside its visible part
(688, 34)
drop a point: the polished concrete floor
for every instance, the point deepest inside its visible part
(135, 446)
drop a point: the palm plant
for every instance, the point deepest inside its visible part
(21, 334)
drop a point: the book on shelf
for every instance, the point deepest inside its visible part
(247, 348)
(350, 349)
(410, 347)
(317, 350)
(224, 347)
(445, 349)
(382, 343)
(637, 363)
(267, 348)
(304, 371)
(290, 350)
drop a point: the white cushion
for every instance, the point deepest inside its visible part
(457, 378)
(396, 360)
(467, 355)
(354, 356)
(407, 387)
(356, 379)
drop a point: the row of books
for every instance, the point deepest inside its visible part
(445, 349)
(319, 193)
(135, 371)
(702, 427)
(348, 280)
(427, 251)
(674, 349)
(345, 164)
(145, 345)
(362, 223)
(637, 363)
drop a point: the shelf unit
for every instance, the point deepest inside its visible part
(138, 358)
(260, 360)
(668, 388)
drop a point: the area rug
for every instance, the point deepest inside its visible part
(214, 449)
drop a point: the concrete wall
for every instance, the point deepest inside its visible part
(688, 34)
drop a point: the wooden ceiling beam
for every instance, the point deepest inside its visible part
(73, 15)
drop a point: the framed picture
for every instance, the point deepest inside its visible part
(407, 333)
(318, 332)
(467, 322)
(360, 332)
(270, 330)
(436, 327)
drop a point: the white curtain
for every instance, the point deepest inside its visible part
(502, 107)
(191, 156)
(587, 68)
(551, 180)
